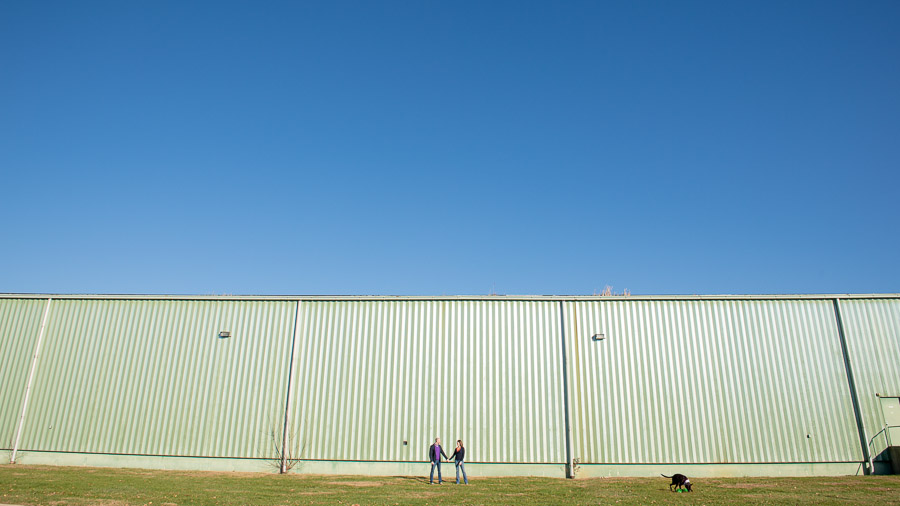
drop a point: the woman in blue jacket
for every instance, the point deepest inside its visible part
(459, 454)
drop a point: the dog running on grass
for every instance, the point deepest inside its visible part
(678, 481)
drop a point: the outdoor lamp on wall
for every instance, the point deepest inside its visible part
(224, 334)
(598, 337)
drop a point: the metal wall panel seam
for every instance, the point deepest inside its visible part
(570, 472)
(852, 385)
(28, 385)
(290, 381)
(574, 383)
(309, 386)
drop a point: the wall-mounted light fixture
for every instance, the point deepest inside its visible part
(598, 337)
(224, 334)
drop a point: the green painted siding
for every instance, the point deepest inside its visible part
(372, 375)
(152, 378)
(730, 385)
(872, 329)
(709, 382)
(20, 321)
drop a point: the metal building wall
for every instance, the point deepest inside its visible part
(151, 377)
(709, 381)
(20, 321)
(373, 374)
(691, 380)
(872, 331)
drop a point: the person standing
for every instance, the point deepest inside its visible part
(459, 454)
(434, 454)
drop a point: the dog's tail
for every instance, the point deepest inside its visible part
(664, 476)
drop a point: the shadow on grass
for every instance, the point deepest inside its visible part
(413, 479)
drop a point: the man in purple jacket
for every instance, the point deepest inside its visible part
(434, 455)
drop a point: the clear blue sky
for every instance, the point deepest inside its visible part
(449, 147)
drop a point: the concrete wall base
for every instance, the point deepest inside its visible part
(264, 466)
(448, 470)
(422, 469)
(146, 462)
(719, 470)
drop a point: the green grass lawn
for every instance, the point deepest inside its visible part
(29, 485)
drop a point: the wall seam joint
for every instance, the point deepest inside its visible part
(28, 385)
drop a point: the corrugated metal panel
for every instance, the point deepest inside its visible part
(20, 321)
(709, 382)
(374, 374)
(433, 298)
(152, 377)
(872, 331)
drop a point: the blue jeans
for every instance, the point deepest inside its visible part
(460, 466)
(431, 477)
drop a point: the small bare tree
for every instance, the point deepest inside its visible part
(285, 451)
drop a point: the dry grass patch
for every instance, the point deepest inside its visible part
(747, 485)
(356, 483)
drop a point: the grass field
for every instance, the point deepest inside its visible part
(29, 485)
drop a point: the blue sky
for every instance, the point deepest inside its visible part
(449, 147)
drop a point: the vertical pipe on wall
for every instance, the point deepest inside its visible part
(570, 470)
(37, 351)
(852, 384)
(287, 403)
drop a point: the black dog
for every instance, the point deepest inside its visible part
(679, 481)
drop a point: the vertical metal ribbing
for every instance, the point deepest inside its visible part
(287, 403)
(570, 471)
(852, 384)
(37, 351)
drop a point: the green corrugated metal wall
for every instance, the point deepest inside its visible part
(374, 374)
(151, 377)
(20, 320)
(873, 341)
(709, 382)
(692, 380)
